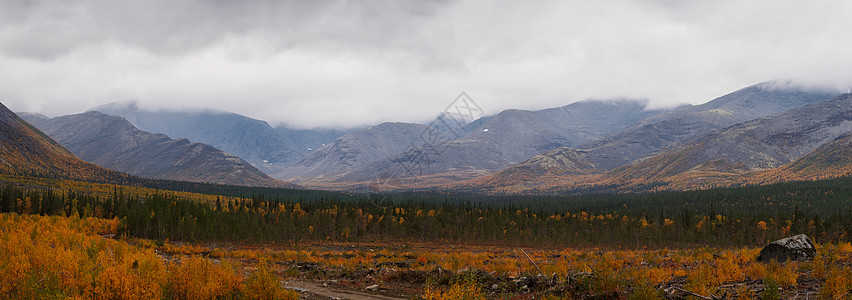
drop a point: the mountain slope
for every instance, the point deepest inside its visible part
(309, 140)
(26, 151)
(356, 149)
(559, 162)
(112, 142)
(497, 142)
(519, 135)
(654, 133)
(252, 140)
(831, 160)
(659, 131)
(764, 143)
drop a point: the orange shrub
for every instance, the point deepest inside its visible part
(785, 274)
(58, 257)
(728, 269)
(55, 257)
(702, 279)
(464, 289)
(845, 247)
(755, 270)
(263, 284)
(128, 277)
(199, 278)
(836, 284)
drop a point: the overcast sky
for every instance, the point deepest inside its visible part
(345, 63)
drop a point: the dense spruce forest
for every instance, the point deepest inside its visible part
(730, 217)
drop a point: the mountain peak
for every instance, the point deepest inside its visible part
(25, 150)
(112, 142)
(117, 106)
(31, 115)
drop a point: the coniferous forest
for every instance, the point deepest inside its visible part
(584, 246)
(729, 217)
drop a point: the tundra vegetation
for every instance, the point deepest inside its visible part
(70, 239)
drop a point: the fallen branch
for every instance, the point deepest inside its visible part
(751, 282)
(693, 294)
(532, 262)
(594, 272)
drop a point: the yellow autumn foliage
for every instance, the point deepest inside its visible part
(58, 257)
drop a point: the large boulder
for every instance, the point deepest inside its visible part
(795, 248)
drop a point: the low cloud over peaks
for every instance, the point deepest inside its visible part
(344, 63)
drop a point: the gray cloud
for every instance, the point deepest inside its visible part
(45, 30)
(342, 63)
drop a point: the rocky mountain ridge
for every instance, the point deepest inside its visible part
(112, 142)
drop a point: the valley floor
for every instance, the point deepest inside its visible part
(451, 271)
(70, 257)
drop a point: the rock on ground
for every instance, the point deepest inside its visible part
(795, 248)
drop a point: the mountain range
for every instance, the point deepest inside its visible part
(271, 150)
(112, 142)
(831, 160)
(803, 143)
(759, 144)
(26, 151)
(652, 135)
(762, 133)
(509, 137)
(355, 150)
